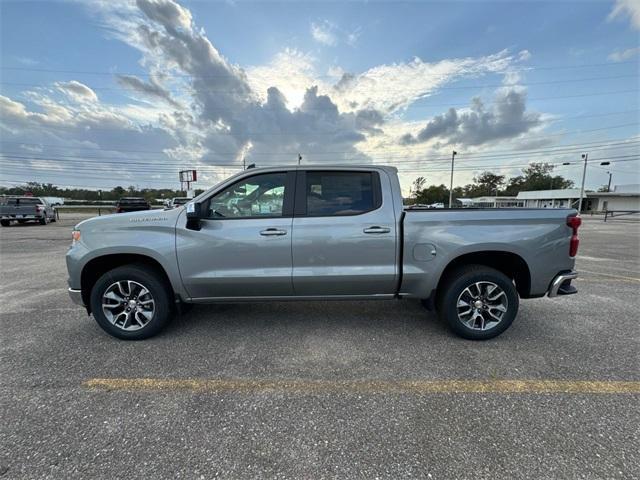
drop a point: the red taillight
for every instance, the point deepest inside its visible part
(574, 222)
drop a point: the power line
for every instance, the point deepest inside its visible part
(148, 168)
(214, 90)
(373, 151)
(422, 107)
(134, 171)
(80, 162)
(110, 161)
(147, 74)
(116, 148)
(137, 128)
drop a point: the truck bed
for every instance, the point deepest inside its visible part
(434, 237)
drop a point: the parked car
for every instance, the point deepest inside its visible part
(178, 201)
(132, 204)
(25, 209)
(309, 233)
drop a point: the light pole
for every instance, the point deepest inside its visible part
(453, 156)
(608, 173)
(584, 174)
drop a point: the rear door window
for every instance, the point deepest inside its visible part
(338, 193)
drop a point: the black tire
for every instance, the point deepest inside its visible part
(5, 223)
(467, 277)
(43, 220)
(153, 282)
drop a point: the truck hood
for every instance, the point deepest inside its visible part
(134, 219)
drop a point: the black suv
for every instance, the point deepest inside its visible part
(132, 204)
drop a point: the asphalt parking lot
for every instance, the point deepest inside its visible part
(319, 390)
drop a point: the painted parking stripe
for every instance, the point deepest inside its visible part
(368, 386)
(623, 277)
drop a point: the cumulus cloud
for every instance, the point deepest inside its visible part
(324, 33)
(77, 91)
(166, 12)
(152, 88)
(630, 8)
(391, 88)
(622, 55)
(264, 113)
(330, 34)
(507, 118)
(230, 111)
(291, 71)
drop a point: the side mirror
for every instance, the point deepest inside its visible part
(194, 214)
(194, 210)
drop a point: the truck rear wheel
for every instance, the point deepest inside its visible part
(131, 302)
(478, 302)
(5, 223)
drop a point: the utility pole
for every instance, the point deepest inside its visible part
(453, 156)
(584, 174)
(609, 184)
(299, 159)
(244, 163)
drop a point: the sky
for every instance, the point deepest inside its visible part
(101, 93)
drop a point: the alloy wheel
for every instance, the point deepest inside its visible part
(128, 305)
(482, 305)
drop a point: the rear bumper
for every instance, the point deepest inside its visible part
(76, 297)
(20, 217)
(561, 285)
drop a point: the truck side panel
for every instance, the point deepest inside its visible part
(432, 239)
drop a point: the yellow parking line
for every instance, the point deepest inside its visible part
(365, 386)
(600, 279)
(622, 277)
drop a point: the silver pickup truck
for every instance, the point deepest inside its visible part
(312, 232)
(26, 209)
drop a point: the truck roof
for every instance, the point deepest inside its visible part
(354, 166)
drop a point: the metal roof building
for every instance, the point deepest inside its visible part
(623, 197)
(549, 198)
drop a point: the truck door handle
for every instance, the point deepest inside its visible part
(271, 232)
(377, 229)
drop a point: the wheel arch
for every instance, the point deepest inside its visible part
(509, 263)
(98, 266)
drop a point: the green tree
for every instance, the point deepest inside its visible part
(433, 194)
(485, 184)
(537, 176)
(417, 186)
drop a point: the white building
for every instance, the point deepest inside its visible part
(493, 202)
(623, 197)
(565, 198)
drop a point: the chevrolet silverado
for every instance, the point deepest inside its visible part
(318, 232)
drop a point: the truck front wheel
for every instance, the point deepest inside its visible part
(131, 302)
(478, 302)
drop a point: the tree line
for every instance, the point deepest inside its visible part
(537, 176)
(50, 190)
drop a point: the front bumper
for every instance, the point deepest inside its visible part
(561, 285)
(76, 297)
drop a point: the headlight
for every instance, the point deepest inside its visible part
(75, 237)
